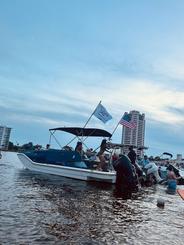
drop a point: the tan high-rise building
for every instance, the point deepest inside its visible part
(134, 136)
(4, 137)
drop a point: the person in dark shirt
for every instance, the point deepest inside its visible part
(125, 178)
(132, 155)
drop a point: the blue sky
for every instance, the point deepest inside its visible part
(59, 58)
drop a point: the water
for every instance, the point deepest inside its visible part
(47, 209)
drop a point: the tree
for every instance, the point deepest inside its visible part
(157, 158)
(151, 158)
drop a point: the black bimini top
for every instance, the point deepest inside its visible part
(77, 131)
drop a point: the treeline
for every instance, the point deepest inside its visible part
(25, 147)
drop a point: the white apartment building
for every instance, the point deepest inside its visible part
(4, 137)
(134, 136)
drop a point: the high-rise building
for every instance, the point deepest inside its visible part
(4, 137)
(134, 136)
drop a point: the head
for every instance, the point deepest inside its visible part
(138, 157)
(170, 168)
(79, 146)
(145, 157)
(131, 148)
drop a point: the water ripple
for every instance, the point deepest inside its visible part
(45, 209)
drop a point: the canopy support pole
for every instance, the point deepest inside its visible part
(55, 139)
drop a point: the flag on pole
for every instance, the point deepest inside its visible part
(127, 122)
(102, 114)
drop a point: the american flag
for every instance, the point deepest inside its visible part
(126, 121)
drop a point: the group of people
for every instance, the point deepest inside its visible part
(103, 166)
(131, 170)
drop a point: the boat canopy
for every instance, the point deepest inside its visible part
(77, 131)
(169, 154)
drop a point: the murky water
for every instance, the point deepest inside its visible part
(46, 209)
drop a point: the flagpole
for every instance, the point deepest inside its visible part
(115, 128)
(86, 122)
(91, 115)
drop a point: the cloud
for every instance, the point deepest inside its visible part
(178, 111)
(118, 94)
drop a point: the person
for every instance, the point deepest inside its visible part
(103, 147)
(78, 148)
(89, 153)
(114, 157)
(125, 178)
(139, 161)
(171, 180)
(47, 146)
(151, 170)
(132, 155)
(38, 147)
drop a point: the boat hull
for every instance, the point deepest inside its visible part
(70, 172)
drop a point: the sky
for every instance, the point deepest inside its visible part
(59, 58)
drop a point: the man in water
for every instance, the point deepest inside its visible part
(133, 156)
(125, 178)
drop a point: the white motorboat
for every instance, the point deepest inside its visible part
(70, 172)
(68, 163)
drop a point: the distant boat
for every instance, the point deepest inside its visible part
(67, 162)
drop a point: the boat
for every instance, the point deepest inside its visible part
(67, 162)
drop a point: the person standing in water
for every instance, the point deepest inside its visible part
(171, 180)
(125, 178)
(132, 155)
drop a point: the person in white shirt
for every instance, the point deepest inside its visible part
(152, 168)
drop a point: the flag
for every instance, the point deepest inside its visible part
(102, 114)
(127, 122)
